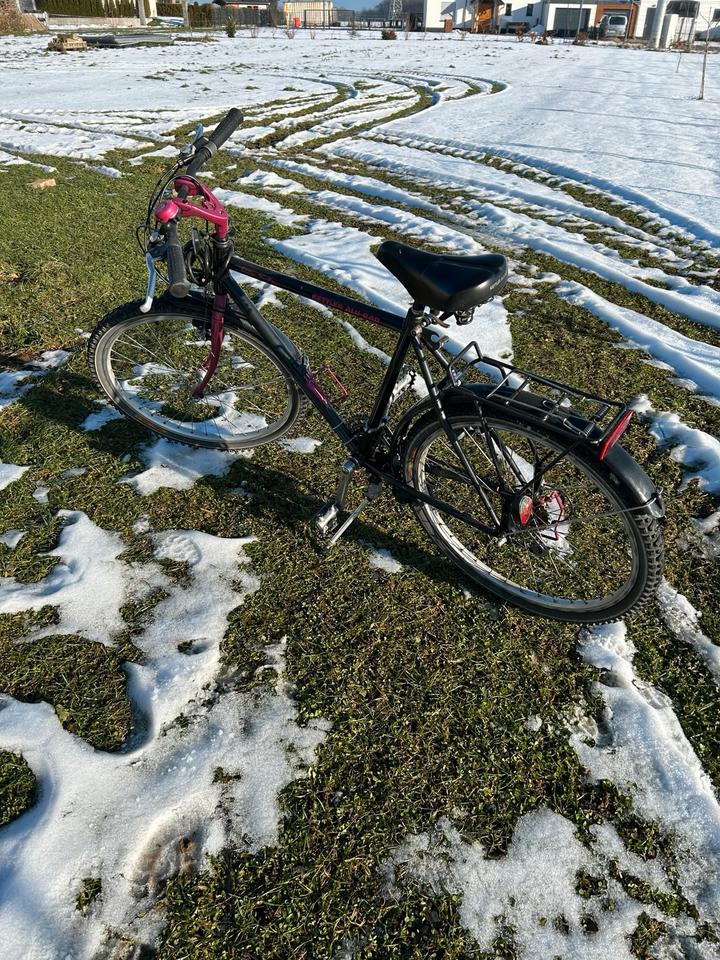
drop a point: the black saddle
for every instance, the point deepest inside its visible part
(443, 282)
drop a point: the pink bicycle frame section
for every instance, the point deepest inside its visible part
(211, 210)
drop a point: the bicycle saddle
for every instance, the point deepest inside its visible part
(444, 282)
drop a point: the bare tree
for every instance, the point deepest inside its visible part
(709, 22)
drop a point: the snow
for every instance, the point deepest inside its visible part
(10, 472)
(15, 383)
(87, 567)
(300, 445)
(645, 753)
(174, 811)
(98, 418)
(11, 538)
(382, 559)
(41, 494)
(174, 465)
(527, 890)
(693, 360)
(684, 621)
(695, 449)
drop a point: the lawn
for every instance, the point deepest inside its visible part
(217, 742)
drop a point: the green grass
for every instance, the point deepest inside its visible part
(427, 689)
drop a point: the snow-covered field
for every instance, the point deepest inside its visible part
(518, 147)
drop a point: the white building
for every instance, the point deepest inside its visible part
(682, 18)
(459, 12)
(564, 18)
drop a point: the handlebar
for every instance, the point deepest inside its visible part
(227, 126)
(179, 285)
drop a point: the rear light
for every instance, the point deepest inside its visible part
(617, 431)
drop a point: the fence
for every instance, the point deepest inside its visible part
(338, 18)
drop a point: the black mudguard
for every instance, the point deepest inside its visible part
(621, 470)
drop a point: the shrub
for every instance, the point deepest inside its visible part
(388, 35)
(230, 26)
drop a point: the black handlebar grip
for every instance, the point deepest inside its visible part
(227, 126)
(179, 285)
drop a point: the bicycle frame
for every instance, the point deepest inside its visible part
(364, 445)
(409, 329)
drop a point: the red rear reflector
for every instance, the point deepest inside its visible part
(525, 510)
(618, 430)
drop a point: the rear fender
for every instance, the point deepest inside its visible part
(620, 469)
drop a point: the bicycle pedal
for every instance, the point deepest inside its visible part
(325, 522)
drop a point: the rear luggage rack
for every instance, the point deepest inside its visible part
(595, 419)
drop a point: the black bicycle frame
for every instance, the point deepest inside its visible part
(296, 364)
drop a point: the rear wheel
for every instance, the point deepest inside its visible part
(148, 365)
(573, 550)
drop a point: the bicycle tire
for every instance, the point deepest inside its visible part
(291, 403)
(643, 532)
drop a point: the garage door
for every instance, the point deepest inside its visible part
(566, 20)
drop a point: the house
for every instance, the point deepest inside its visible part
(563, 17)
(459, 13)
(309, 13)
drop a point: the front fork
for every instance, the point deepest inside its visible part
(217, 335)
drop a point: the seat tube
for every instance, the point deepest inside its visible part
(392, 373)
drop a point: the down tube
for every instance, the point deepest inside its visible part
(291, 358)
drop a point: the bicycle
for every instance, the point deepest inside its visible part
(518, 479)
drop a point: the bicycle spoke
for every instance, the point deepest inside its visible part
(559, 553)
(157, 369)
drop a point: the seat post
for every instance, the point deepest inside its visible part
(380, 408)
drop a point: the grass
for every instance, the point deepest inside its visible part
(428, 689)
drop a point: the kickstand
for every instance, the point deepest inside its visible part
(327, 523)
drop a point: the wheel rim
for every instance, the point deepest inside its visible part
(578, 552)
(154, 363)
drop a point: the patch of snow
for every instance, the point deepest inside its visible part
(300, 444)
(10, 472)
(15, 383)
(169, 464)
(11, 538)
(529, 889)
(684, 621)
(175, 810)
(106, 414)
(645, 753)
(41, 494)
(87, 584)
(694, 360)
(248, 201)
(695, 449)
(383, 560)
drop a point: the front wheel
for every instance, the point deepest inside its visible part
(568, 546)
(148, 365)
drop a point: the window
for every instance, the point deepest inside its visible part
(530, 9)
(716, 14)
(683, 8)
(508, 9)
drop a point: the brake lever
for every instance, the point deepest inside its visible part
(152, 278)
(154, 252)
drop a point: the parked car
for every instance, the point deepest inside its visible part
(613, 25)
